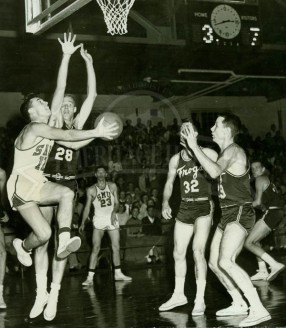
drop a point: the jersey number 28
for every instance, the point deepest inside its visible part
(63, 153)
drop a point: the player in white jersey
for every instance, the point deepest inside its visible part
(38, 134)
(104, 197)
(61, 168)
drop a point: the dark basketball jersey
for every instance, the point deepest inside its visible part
(62, 160)
(270, 197)
(234, 189)
(193, 181)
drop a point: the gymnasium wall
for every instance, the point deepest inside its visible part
(255, 112)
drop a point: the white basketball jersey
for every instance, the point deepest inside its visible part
(103, 207)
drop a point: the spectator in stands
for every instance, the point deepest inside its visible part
(114, 166)
(143, 207)
(143, 180)
(151, 225)
(134, 224)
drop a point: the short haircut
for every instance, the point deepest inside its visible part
(262, 162)
(72, 97)
(101, 167)
(233, 122)
(26, 105)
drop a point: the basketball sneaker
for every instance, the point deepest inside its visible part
(121, 277)
(174, 301)
(67, 247)
(23, 256)
(199, 308)
(275, 270)
(38, 307)
(52, 305)
(260, 275)
(255, 317)
(88, 281)
(234, 309)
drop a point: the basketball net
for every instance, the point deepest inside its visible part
(115, 14)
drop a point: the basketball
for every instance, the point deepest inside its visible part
(110, 118)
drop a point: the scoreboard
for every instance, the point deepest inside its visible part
(225, 23)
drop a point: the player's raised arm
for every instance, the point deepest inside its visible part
(68, 48)
(87, 105)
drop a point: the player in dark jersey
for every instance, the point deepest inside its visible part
(193, 219)
(3, 219)
(232, 169)
(61, 168)
(271, 203)
(103, 196)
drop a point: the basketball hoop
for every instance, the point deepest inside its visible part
(115, 14)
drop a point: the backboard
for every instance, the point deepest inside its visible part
(41, 15)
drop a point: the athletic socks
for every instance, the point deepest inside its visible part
(179, 285)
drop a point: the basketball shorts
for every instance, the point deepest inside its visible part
(22, 190)
(243, 215)
(104, 223)
(273, 218)
(190, 211)
(72, 184)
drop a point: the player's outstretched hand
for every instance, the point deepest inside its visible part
(85, 55)
(68, 46)
(104, 130)
(190, 135)
(166, 211)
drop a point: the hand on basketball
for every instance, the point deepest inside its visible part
(190, 135)
(85, 55)
(166, 211)
(68, 46)
(107, 131)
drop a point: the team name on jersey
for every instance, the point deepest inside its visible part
(43, 150)
(192, 170)
(103, 195)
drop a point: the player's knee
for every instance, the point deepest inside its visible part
(44, 235)
(225, 264)
(95, 249)
(179, 255)
(198, 253)
(115, 248)
(213, 265)
(67, 194)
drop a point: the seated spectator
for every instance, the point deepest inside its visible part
(143, 206)
(128, 202)
(151, 225)
(143, 180)
(114, 167)
(120, 182)
(121, 196)
(137, 195)
(122, 214)
(135, 231)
